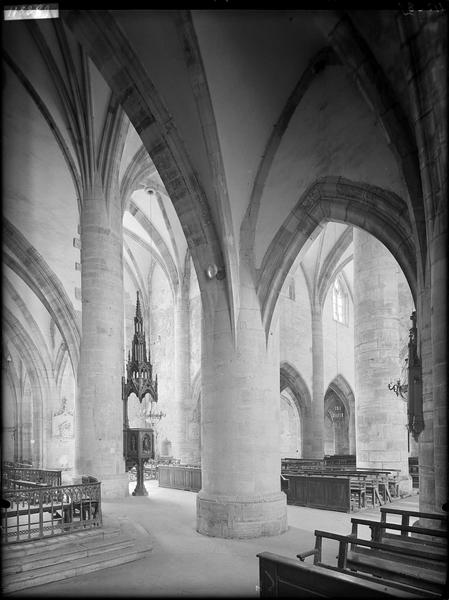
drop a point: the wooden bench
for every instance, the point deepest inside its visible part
(404, 566)
(386, 480)
(406, 536)
(280, 576)
(319, 491)
(373, 484)
(406, 515)
(377, 482)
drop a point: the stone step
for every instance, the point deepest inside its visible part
(70, 551)
(18, 550)
(78, 566)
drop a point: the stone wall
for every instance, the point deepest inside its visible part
(338, 342)
(290, 433)
(295, 327)
(162, 354)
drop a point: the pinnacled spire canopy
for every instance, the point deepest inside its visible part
(139, 370)
(138, 317)
(139, 352)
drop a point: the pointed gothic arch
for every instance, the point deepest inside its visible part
(30, 266)
(340, 388)
(290, 378)
(38, 376)
(381, 213)
(122, 70)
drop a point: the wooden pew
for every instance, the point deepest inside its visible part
(406, 515)
(366, 483)
(386, 479)
(319, 491)
(378, 482)
(281, 576)
(362, 484)
(407, 566)
(407, 536)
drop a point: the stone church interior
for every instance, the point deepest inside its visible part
(225, 292)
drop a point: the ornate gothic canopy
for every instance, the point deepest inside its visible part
(139, 370)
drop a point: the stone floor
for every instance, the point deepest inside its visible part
(184, 563)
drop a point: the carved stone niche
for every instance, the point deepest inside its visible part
(138, 446)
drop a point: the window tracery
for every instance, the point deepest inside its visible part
(340, 302)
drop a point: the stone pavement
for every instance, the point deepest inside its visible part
(184, 563)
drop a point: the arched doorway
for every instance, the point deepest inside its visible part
(336, 425)
(290, 430)
(339, 402)
(295, 406)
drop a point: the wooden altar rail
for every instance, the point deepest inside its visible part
(180, 477)
(41, 512)
(51, 477)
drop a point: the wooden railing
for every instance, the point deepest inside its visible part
(49, 477)
(293, 464)
(151, 468)
(39, 512)
(367, 486)
(19, 463)
(181, 477)
(340, 460)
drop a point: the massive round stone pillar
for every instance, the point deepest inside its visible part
(99, 415)
(240, 430)
(381, 417)
(317, 437)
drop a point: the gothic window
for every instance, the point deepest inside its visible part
(340, 302)
(291, 289)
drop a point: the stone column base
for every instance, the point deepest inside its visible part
(241, 517)
(114, 487)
